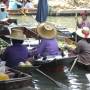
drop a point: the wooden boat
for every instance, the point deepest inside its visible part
(83, 66)
(16, 80)
(8, 21)
(55, 65)
(51, 65)
(22, 12)
(69, 12)
(28, 32)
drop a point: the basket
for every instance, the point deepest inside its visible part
(19, 80)
(27, 69)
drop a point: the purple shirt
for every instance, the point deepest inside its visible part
(85, 23)
(48, 47)
(15, 54)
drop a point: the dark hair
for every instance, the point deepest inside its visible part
(2, 9)
(14, 41)
(28, 1)
(87, 39)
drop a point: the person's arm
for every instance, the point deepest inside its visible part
(78, 24)
(41, 47)
(4, 55)
(79, 48)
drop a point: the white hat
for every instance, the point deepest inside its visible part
(84, 32)
(2, 5)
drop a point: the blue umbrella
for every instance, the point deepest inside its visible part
(42, 11)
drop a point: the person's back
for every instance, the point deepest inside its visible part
(83, 50)
(28, 5)
(48, 43)
(48, 47)
(15, 54)
(83, 46)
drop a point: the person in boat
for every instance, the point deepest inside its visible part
(48, 43)
(4, 16)
(83, 46)
(17, 52)
(85, 22)
(3, 13)
(14, 5)
(27, 5)
(6, 2)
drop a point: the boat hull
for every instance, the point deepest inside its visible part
(55, 65)
(83, 66)
(22, 12)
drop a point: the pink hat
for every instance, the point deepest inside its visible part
(84, 13)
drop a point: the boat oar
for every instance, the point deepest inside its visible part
(73, 64)
(50, 78)
(21, 10)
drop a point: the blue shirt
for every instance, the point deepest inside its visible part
(3, 15)
(13, 5)
(15, 54)
(48, 47)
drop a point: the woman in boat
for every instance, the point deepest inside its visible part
(48, 43)
(28, 4)
(3, 12)
(14, 5)
(16, 52)
(83, 46)
(84, 22)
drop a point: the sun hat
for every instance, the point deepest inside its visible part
(84, 13)
(46, 30)
(84, 32)
(2, 5)
(16, 34)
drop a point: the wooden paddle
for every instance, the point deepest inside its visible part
(73, 64)
(76, 18)
(22, 11)
(54, 81)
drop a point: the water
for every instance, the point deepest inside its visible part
(76, 79)
(30, 20)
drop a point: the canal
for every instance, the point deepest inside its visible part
(75, 80)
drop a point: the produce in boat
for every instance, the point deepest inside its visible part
(27, 63)
(4, 76)
(21, 64)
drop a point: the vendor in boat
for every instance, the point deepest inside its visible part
(4, 16)
(27, 5)
(3, 12)
(84, 22)
(48, 43)
(83, 46)
(14, 5)
(16, 52)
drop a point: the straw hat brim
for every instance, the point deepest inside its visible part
(79, 33)
(48, 34)
(16, 38)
